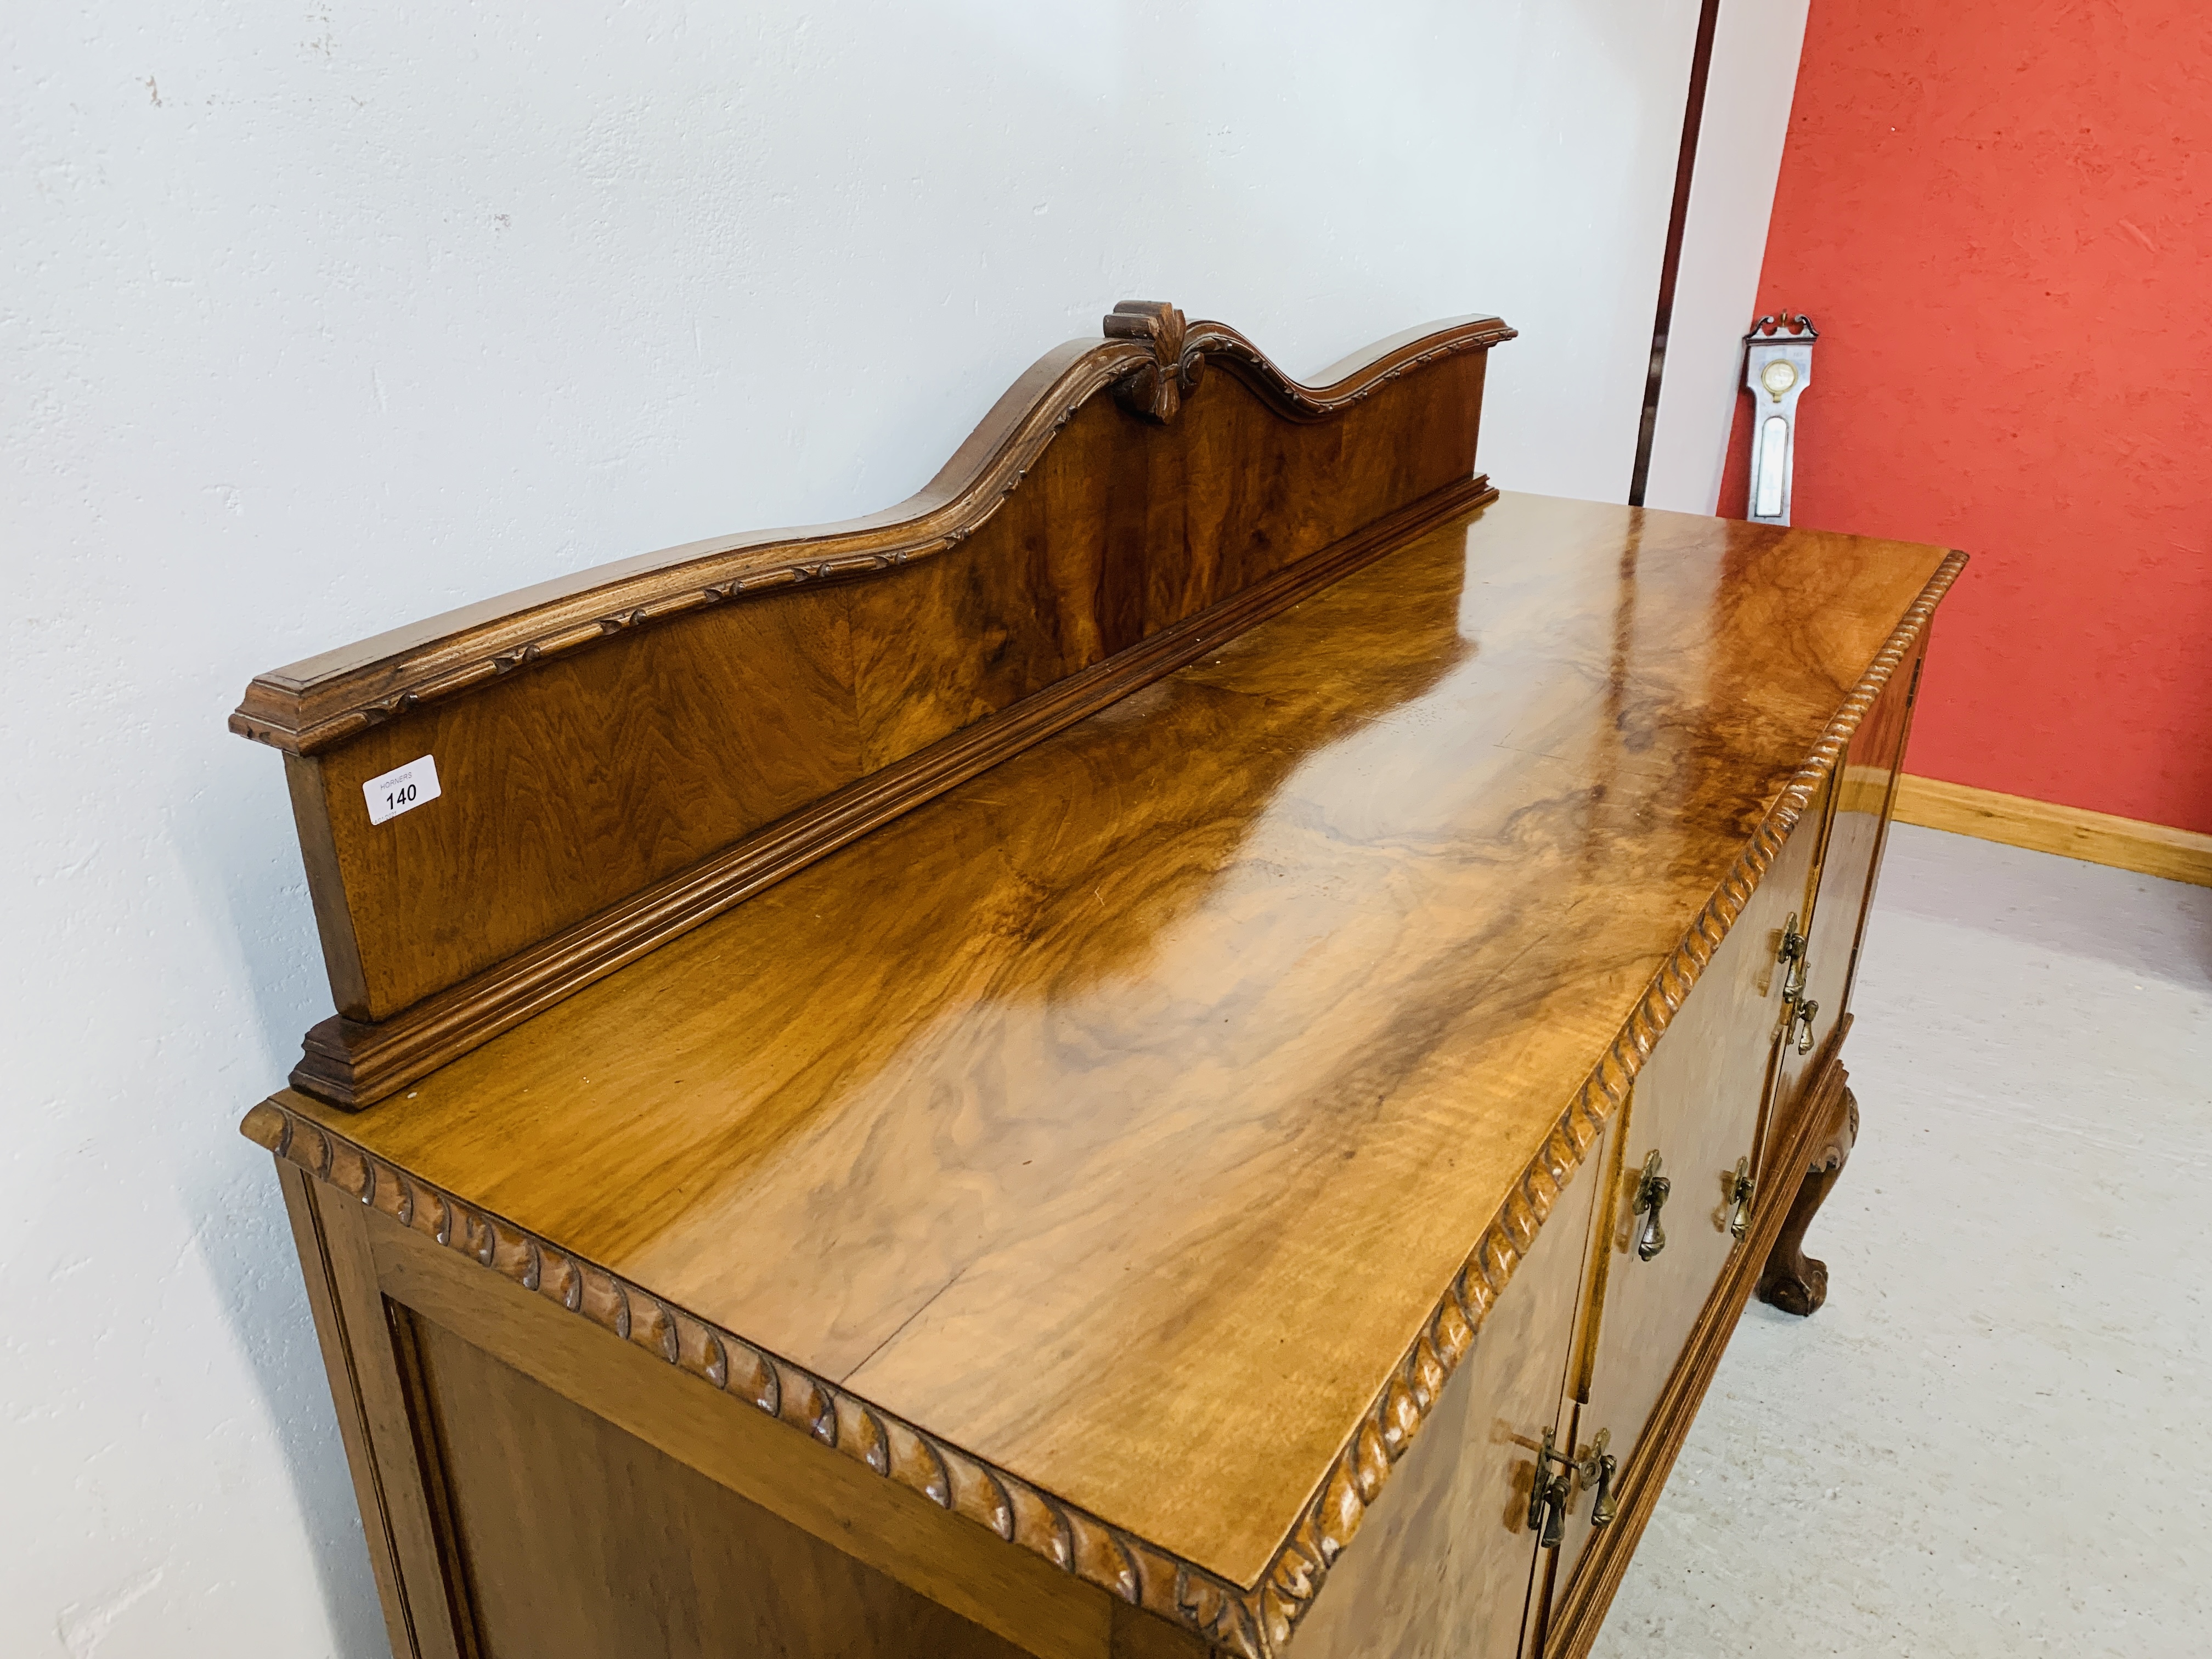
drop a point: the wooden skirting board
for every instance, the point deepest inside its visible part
(2151, 849)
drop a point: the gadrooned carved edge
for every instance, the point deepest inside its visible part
(285, 715)
(1252, 1622)
(1070, 1538)
(1386, 1431)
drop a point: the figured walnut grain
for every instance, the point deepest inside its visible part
(1173, 1510)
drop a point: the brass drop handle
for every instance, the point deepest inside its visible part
(1803, 1021)
(1554, 1488)
(1605, 1508)
(1652, 1190)
(1549, 1494)
(1739, 1199)
(1597, 1467)
(1792, 957)
(1797, 1009)
(1557, 1493)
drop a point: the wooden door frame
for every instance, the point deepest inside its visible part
(1572, 1624)
(369, 1279)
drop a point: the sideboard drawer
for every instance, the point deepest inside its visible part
(1835, 900)
(1688, 1137)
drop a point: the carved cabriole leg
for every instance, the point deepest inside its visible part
(1792, 1280)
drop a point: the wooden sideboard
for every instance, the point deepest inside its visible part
(1189, 1042)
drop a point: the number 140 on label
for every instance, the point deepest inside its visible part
(402, 789)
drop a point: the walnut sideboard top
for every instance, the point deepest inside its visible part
(1120, 1147)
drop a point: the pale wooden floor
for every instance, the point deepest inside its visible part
(1996, 1438)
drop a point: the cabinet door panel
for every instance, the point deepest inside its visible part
(580, 1541)
(1442, 1566)
(1696, 1103)
(1865, 785)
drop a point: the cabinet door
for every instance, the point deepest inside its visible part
(1441, 1566)
(1696, 1106)
(1865, 788)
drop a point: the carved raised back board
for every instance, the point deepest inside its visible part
(625, 753)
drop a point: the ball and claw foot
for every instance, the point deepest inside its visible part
(1791, 1281)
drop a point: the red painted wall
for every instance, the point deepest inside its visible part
(1999, 215)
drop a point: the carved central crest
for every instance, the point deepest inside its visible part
(1157, 389)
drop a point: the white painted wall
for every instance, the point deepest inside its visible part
(1755, 76)
(321, 316)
